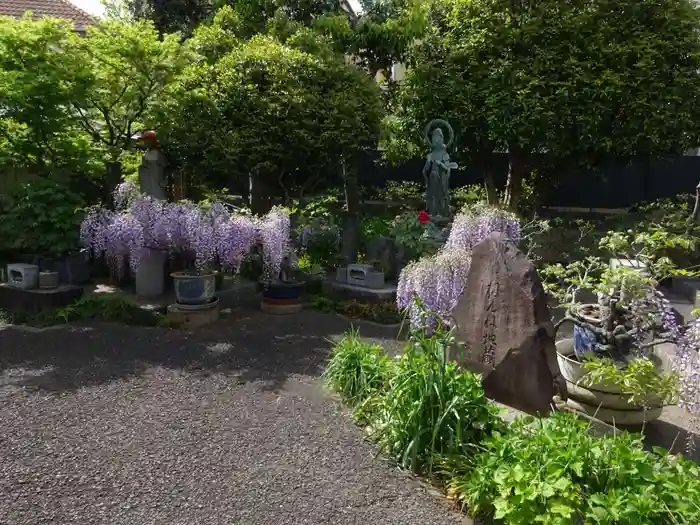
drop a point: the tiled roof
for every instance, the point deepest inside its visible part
(47, 8)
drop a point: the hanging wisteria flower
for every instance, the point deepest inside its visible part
(473, 226)
(274, 233)
(236, 237)
(125, 194)
(438, 281)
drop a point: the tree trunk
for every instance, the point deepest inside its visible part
(517, 169)
(113, 176)
(260, 201)
(484, 161)
(490, 186)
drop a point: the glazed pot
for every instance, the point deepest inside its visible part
(282, 297)
(585, 341)
(604, 402)
(194, 288)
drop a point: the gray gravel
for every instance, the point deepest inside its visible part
(227, 425)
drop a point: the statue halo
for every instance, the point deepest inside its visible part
(443, 124)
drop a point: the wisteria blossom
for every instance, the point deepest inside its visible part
(203, 236)
(274, 236)
(686, 362)
(236, 237)
(437, 282)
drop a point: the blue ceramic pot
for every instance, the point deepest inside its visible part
(194, 289)
(585, 341)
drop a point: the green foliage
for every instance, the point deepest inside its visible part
(71, 103)
(431, 407)
(41, 218)
(128, 67)
(171, 16)
(402, 191)
(467, 196)
(317, 223)
(626, 283)
(107, 308)
(639, 379)
(416, 239)
(384, 312)
(575, 79)
(41, 80)
(357, 369)
(666, 243)
(563, 282)
(554, 471)
(239, 116)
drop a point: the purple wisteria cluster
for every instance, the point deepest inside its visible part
(274, 230)
(203, 236)
(435, 284)
(687, 359)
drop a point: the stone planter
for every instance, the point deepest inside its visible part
(48, 280)
(191, 289)
(150, 274)
(606, 403)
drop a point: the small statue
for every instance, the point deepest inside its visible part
(436, 171)
(152, 179)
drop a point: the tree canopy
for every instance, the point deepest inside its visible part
(572, 79)
(270, 110)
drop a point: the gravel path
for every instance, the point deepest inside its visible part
(228, 425)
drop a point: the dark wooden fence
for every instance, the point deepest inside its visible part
(618, 183)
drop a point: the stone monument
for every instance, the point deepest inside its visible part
(152, 179)
(438, 166)
(508, 335)
(150, 275)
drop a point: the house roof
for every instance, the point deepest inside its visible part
(45, 9)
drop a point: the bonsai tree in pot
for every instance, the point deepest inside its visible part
(202, 237)
(281, 292)
(609, 364)
(136, 227)
(206, 238)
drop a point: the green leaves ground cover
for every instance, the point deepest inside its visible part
(555, 471)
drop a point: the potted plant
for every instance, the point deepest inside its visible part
(207, 238)
(281, 293)
(136, 232)
(141, 228)
(609, 365)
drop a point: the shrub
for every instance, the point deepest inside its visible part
(554, 471)
(357, 369)
(431, 407)
(41, 217)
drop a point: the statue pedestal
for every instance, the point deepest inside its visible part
(150, 274)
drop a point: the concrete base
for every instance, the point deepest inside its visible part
(192, 318)
(37, 300)
(349, 291)
(280, 309)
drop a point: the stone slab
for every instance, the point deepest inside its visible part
(37, 300)
(688, 288)
(234, 293)
(349, 291)
(190, 319)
